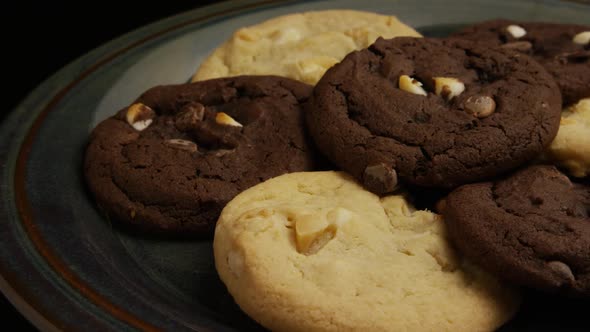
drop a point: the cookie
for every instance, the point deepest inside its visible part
(571, 146)
(316, 252)
(435, 113)
(299, 46)
(532, 228)
(177, 155)
(563, 49)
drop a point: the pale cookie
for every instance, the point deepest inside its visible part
(571, 146)
(300, 46)
(317, 252)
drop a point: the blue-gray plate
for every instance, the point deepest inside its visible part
(65, 266)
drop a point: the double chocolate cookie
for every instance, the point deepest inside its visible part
(563, 49)
(532, 228)
(172, 160)
(431, 112)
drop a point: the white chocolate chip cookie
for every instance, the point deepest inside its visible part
(571, 146)
(299, 46)
(317, 252)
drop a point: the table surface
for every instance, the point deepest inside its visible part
(50, 36)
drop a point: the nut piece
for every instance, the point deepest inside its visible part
(411, 85)
(448, 87)
(189, 116)
(583, 38)
(480, 106)
(562, 270)
(140, 116)
(380, 178)
(312, 233)
(516, 31)
(181, 144)
(522, 46)
(224, 119)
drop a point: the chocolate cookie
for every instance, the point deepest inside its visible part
(563, 49)
(432, 112)
(532, 228)
(172, 160)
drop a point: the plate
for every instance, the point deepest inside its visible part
(65, 267)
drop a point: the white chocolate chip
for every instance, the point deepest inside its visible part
(142, 124)
(140, 116)
(312, 232)
(286, 35)
(313, 68)
(411, 85)
(516, 31)
(339, 216)
(224, 119)
(318, 63)
(247, 35)
(582, 38)
(448, 87)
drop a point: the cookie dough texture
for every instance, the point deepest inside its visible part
(299, 46)
(559, 48)
(362, 113)
(571, 146)
(532, 228)
(316, 252)
(178, 154)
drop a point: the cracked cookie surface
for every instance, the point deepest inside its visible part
(563, 49)
(177, 155)
(437, 113)
(532, 228)
(317, 252)
(300, 46)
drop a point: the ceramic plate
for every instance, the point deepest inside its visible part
(65, 267)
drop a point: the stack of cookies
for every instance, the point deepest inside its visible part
(318, 175)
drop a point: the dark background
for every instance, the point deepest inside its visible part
(39, 38)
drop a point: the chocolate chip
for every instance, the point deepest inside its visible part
(562, 269)
(181, 144)
(380, 178)
(480, 106)
(521, 46)
(189, 116)
(440, 206)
